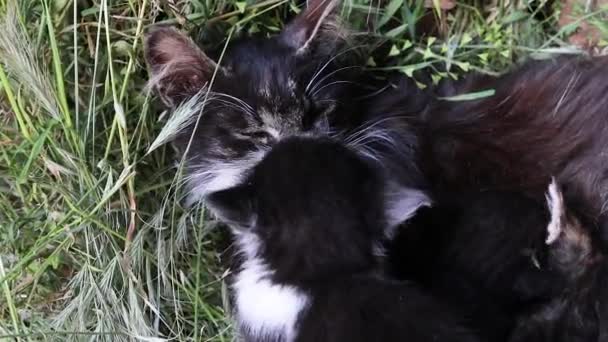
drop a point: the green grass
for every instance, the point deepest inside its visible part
(95, 243)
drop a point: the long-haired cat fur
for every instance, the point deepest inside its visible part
(546, 118)
(579, 313)
(307, 221)
(509, 264)
(479, 251)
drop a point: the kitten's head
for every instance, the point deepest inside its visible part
(572, 250)
(310, 208)
(261, 91)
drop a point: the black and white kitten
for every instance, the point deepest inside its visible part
(307, 220)
(305, 81)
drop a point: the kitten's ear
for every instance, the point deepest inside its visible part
(317, 22)
(233, 206)
(401, 204)
(557, 211)
(178, 67)
(570, 245)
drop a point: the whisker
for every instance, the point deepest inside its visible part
(234, 102)
(245, 104)
(369, 125)
(328, 62)
(330, 84)
(320, 82)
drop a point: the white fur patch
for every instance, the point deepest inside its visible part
(555, 203)
(271, 125)
(223, 177)
(275, 133)
(220, 175)
(402, 203)
(264, 308)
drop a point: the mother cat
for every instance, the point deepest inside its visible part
(545, 118)
(304, 81)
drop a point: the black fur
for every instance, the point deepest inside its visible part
(579, 315)
(580, 311)
(479, 252)
(486, 254)
(318, 211)
(317, 208)
(547, 118)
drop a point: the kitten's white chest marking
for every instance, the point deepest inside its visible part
(220, 175)
(265, 308)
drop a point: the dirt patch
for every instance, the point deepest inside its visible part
(587, 36)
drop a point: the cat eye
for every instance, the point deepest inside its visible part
(261, 136)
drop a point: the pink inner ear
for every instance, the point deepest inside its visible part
(306, 25)
(179, 68)
(181, 52)
(167, 46)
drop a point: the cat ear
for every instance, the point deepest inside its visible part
(316, 22)
(557, 211)
(401, 204)
(233, 206)
(178, 67)
(570, 245)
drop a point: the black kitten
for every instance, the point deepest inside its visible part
(579, 313)
(307, 221)
(489, 254)
(479, 252)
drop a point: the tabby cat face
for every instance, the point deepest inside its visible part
(262, 91)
